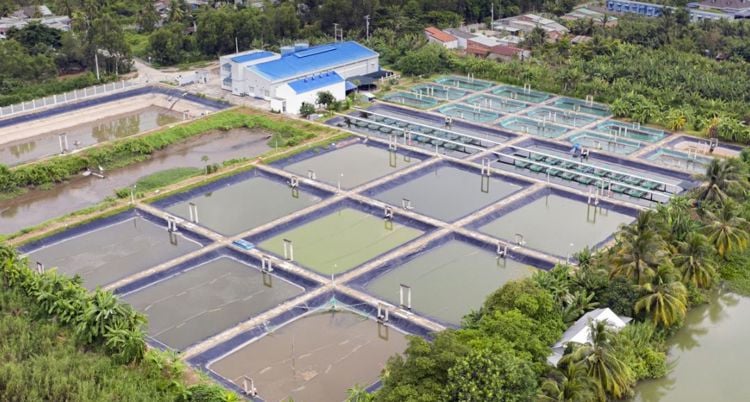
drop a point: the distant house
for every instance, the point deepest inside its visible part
(580, 331)
(583, 13)
(508, 53)
(461, 36)
(481, 45)
(522, 25)
(26, 15)
(720, 9)
(444, 39)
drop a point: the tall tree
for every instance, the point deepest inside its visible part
(610, 374)
(727, 231)
(665, 298)
(694, 259)
(639, 249)
(723, 177)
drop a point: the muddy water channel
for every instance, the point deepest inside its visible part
(708, 355)
(38, 206)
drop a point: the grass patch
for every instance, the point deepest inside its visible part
(735, 273)
(166, 177)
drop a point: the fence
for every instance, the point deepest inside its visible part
(67, 97)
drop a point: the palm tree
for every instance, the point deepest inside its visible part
(639, 249)
(694, 260)
(665, 297)
(570, 383)
(358, 393)
(727, 230)
(601, 363)
(723, 177)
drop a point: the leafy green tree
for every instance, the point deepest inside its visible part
(325, 98)
(483, 375)
(148, 18)
(665, 297)
(429, 59)
(306, 109)
(166, 44)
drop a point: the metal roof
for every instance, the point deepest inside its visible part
(252, 56)
(315, 82)
(313, 60)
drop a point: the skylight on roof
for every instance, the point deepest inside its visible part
(314, 51)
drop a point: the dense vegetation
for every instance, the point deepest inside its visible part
(63, 343)
(33, 57)
(659, 267)
(285, 133)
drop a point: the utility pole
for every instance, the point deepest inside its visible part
(335, 32)
(236, 45)
(96, 62)
(367, 26)
(492, 16)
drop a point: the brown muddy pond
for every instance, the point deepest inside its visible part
(315, 358)
(38, 206)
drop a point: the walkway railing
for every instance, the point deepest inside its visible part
(67, 97)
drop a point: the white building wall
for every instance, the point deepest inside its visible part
(294, 100)
(448, 45)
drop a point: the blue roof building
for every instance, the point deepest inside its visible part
(297, 71)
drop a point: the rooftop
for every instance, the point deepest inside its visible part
(439, 35)
(486, 40)
(245, 58)
(726, 4)
(580, 332)
(315, 82)
(460, 33)
(313, 60)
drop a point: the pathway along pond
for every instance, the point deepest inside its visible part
(708, 356)
(38, 206)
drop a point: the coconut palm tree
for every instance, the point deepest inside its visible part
(601, 363)
(694, 260)
(665, 298)
(639, 249)
(358, 393)
(727, 230)
(570, 383)
(724, 177)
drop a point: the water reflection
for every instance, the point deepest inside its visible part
(707, 356)
(87, 134)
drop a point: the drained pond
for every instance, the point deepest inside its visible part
(316, 358)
